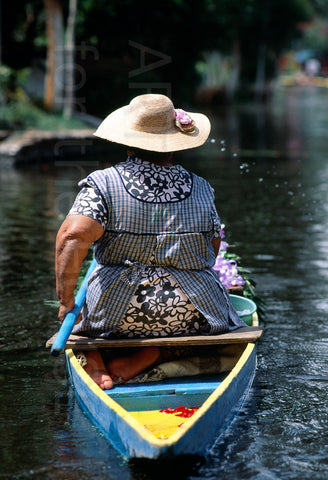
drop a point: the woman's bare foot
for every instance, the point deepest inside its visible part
(96, 369)
(124, 368)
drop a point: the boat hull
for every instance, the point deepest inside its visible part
(217, 401)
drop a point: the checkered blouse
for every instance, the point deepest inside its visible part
(158, 223)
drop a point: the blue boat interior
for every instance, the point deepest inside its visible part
(190, 392)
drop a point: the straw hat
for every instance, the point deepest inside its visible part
(150, 122)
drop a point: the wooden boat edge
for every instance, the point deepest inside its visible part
(240, 335)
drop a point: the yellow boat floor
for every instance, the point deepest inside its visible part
(162, 425)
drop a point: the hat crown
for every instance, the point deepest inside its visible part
(150, 122)
(152, 113)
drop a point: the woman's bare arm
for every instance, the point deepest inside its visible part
(75, 236)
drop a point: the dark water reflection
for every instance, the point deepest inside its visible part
(269, 168)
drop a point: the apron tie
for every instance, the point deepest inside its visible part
(132, 273)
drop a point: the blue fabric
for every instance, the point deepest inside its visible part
(176, 235)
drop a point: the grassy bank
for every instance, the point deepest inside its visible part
(22, 114)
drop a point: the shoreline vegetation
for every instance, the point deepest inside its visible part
(29, 133)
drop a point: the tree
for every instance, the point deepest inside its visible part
(59, 81)
(274, 24)
(255, 32)
(54, 80)
(69, 59)
(251, 32)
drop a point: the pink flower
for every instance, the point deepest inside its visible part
(182, 116)
(223, 245)
(183, 121)
(227, 271)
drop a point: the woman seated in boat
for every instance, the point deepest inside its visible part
(155, 234)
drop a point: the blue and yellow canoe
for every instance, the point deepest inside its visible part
(130, 415)
(134, 416)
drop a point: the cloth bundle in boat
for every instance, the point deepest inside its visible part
(217, 359)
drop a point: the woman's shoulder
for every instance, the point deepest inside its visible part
(98, 177)
(104, 173)
(201, 181)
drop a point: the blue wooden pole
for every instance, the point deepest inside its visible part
(70, 319)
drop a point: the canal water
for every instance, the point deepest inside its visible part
(269, 167)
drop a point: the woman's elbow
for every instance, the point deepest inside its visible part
(216, 242)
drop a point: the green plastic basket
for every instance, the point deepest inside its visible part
(245, 307)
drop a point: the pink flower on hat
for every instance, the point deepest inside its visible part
(183, 121)
(182, 116)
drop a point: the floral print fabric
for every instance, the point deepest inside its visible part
(89, 203)
(151, 183)
(159, 308)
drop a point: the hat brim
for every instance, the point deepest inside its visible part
(115, 129)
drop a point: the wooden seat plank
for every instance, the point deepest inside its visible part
(240, 335)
